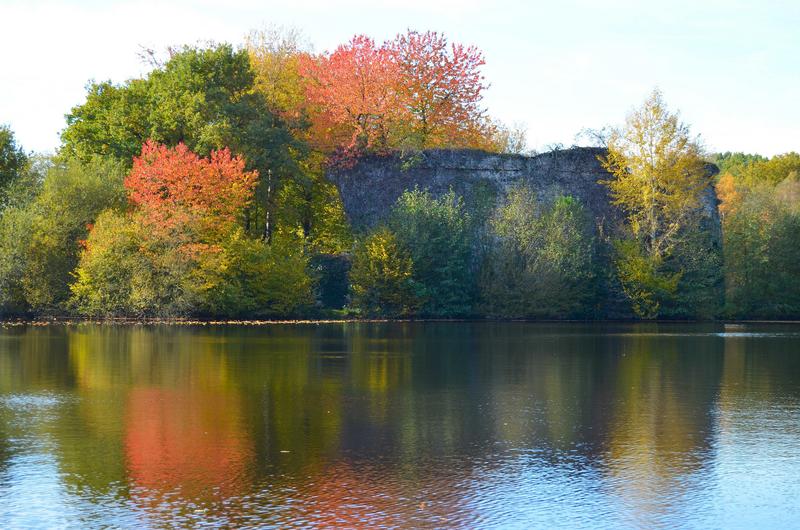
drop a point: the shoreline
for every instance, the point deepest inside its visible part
(75, 321)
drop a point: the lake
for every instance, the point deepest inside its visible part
(389, 425)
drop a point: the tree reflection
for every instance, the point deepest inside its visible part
(365, 424)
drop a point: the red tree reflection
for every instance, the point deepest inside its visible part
(186, 442)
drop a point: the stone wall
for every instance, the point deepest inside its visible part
(369, 189)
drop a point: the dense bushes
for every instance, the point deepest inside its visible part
(423, 263)
(541, 259)
(252, 278)
(439, 237)
(761, 223)
(40, 236)
(433, 260)
(181, 249)
(533, 258)
(126, 272)
(382, 277)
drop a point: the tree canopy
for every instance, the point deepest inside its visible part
(13, 161)
(201, 188)
(658, 175)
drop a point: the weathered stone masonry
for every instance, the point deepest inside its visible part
(369, 189)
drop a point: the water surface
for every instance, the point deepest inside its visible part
(426, 425)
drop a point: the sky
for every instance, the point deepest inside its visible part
(732, 68)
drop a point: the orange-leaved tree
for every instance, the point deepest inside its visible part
(179, 194)
(352, 91)
(728, 194)
(417, 91)
(440, 90)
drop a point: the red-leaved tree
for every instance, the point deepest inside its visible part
(440, 90)
(175, 191)
(416, 91)
(352, 91)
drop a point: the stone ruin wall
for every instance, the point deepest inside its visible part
(370, 188)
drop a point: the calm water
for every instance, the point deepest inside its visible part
(426, 425)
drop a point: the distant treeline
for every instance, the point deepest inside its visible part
(200, 190)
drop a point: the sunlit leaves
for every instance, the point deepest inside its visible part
(417, 91)
(180, 249)
(175, 187)
(381, 279)
(440, 90)
(658, 174)
(354, 91)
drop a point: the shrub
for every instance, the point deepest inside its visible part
(381, 278)
(540, 261)
(439, 236)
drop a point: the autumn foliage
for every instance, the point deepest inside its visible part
(440, 90)
(416, 91)
(727, 194)
(115, 227)
(173, 187)
(181, 249)
(354, 92)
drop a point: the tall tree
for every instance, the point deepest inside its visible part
(417, 91)
(276, 53)
(657, 178)
(354, 92)
(658, 174)
(440, 90)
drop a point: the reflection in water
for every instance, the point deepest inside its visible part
(185, 440)
(405, 424)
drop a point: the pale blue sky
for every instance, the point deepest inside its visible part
(731, 67)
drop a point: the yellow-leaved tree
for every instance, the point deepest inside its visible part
(275, 53)
(657, 177)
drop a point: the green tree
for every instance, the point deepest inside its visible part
(643, 278)
(41, 239)
(783, 253)
(16, 227)
(761, 253)
(124, 271)
(745, 238)
(735, 163)
(440, 236)
(13, 162)
(773, 171)
(700, 290)
(541, 259)
(381, 278)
